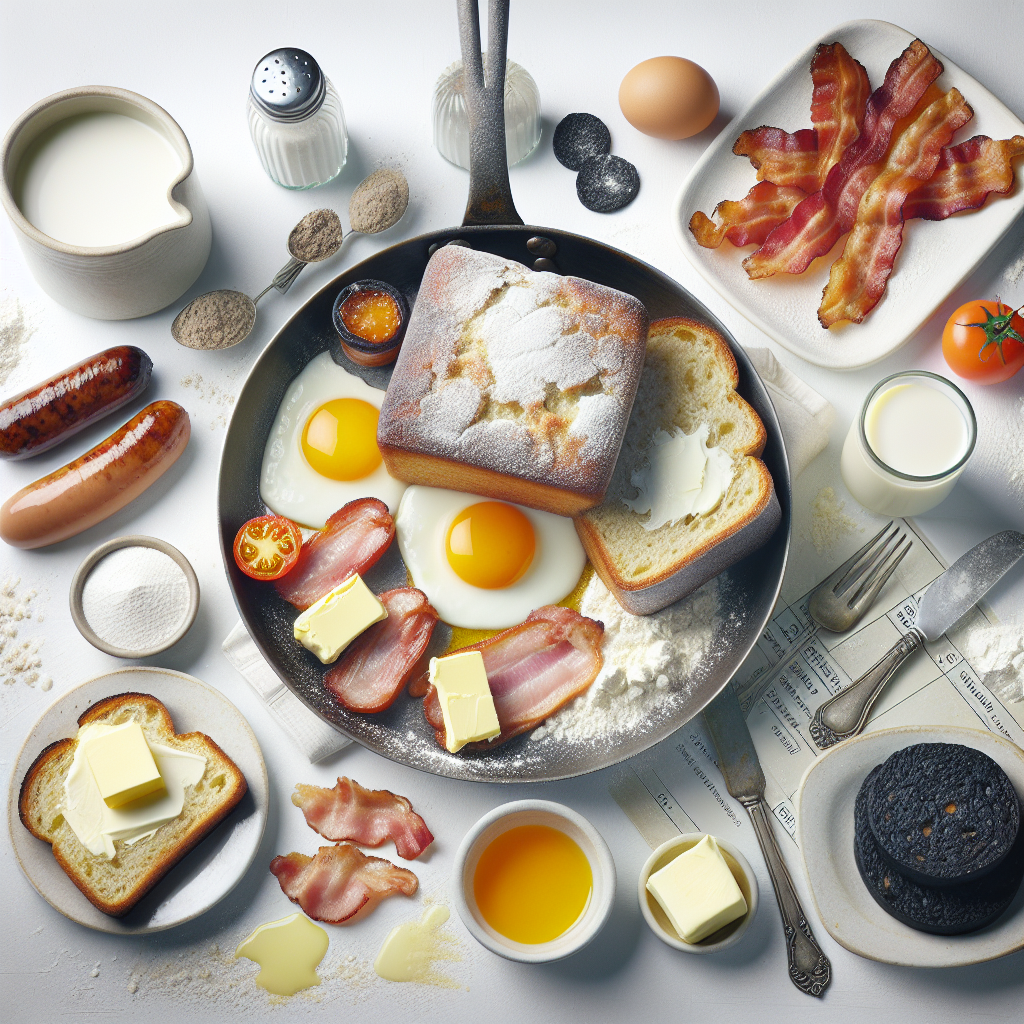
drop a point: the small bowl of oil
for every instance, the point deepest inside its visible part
(534, 881)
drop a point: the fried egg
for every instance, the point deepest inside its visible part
(322, 451)
(485, 564)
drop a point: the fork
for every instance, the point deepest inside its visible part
(840, 600)
(861, 577)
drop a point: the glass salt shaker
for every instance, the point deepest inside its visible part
(296, 120)
(451, 117)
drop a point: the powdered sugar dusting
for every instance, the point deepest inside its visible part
(642, 653)
(996, 653)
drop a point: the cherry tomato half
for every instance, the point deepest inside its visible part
(267, 547)
(984, 342)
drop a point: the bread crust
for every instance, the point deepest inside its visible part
(713, 555)
(47, 763)
(498, 364)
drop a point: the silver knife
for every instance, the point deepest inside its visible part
(944, 603)
(809, 968)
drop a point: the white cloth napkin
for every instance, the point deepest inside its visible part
(805, 418)
(803, 414)
(313, 736)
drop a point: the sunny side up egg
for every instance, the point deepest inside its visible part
(322, 451)
(485, 564)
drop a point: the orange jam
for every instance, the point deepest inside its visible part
(371, 315)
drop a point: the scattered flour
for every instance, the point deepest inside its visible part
(213, 394)
(829, 523)
(15, 330)
(1015, 271)
(639, 653)
(997, 654)
(19, 659)
(1004, 450)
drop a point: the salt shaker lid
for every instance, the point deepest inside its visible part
(288, 85)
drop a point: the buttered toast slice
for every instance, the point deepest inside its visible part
(688, 383)
(115, 886)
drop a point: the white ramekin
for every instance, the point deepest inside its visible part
(577, 828)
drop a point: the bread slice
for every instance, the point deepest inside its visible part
(689, 378)
(115, 886)
(512, 384)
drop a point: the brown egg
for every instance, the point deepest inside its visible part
(669, 98)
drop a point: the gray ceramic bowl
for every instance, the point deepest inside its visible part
(117, 282)
(139, 541)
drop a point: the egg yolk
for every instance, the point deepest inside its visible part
(340, 439)
(490, 545)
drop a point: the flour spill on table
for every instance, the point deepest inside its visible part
(647, 658)
(20, 660)
(16, 329)
(996, 653)
(829, 521)
(213, 394)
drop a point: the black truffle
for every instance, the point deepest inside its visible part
(943, 814)
(579, 136)
(607, 183)
(953, 910)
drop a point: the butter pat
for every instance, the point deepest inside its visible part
(123, 765)
(698, 892)
(332, 623)
(466, 701)
(680, 477)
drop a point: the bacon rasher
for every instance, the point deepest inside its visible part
(369, 817)
(340, 881)
(818, 221)
(746, 220)
(791, 165)
(532, 670)
(351, 541)
(858, 278)
(804, 158)
(967, 174)
(378, 663)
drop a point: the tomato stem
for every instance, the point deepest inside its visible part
(997, 328)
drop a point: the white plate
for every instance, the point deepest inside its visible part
(846, 908)
(935, 256)
(215, 866)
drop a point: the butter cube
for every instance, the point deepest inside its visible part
(466, 701)
(123, 766)
(698, 892)
(332, 623)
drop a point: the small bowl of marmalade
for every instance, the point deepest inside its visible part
(534, 881)
(370, 318)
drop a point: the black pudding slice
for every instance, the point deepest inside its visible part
(607, 183)
(579, 137)
(943, 814)
(953, 910)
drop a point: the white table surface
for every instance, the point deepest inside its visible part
(195, 58)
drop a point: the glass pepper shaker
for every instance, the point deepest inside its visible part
(296, 120)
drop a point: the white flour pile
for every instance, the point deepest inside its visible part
(15, 330)
(997, 654)
(19, 658)
(829, 521)
(135, 598)
(640, 651)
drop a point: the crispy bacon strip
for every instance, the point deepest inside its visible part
(804, 158)
(372, 672)
(858, 278)
(817, 222)
(351, 541)
(967, 174)
(339, 881)
(369, 817)
(532, 669)
(749, 219)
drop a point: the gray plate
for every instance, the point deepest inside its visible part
(748, 590)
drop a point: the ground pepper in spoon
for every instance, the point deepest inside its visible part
(225, 317)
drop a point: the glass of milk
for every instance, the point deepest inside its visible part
(909, 444)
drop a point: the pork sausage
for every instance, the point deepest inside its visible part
(86, 491)
(60, 407)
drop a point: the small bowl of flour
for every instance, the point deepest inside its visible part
(134, 597)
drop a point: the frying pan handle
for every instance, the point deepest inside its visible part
(490, 197)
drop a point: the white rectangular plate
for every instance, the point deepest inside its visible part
(935, 257)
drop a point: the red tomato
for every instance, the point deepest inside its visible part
(267, 547)
(984, 341)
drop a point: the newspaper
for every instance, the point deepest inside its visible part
(792, 670)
